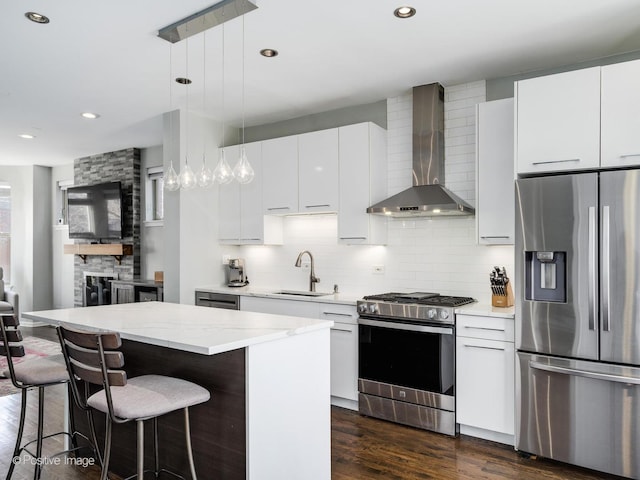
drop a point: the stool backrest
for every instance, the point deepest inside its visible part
(92, 358)
(11, 343)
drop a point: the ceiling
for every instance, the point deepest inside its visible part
(105, 57)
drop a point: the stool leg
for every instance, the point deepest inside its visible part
(16, 450)
(94, 437)
(107, 448)
(72, 418)
(187, 433)
(155, 446)
(38, 469)
(140, 425)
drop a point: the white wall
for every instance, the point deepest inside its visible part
(426, 254)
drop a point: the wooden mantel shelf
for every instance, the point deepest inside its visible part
(116, 250)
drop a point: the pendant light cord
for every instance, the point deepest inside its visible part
(186, 156)
(204, 89)
(242, 81)
(222, 89)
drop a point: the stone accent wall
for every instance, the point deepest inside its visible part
(122, 166)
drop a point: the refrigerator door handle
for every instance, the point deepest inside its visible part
(593, 308)
(606, 252)
(584, 373)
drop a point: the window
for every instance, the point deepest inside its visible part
(5, 230)
(61, 201)
(154, 194)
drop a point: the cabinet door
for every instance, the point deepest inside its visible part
(558, 122)
(229, 203)
(344, 361)
(495, 215)
(251, 215)
(620, 115)
(485, 384)
(318, 171)
(363, 182)
(122, 293)
(280, 175)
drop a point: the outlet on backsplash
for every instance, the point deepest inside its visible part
(378, 270)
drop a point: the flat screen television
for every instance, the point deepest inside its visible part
(95, 211)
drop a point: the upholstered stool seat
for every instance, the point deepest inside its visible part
(149, 396)
(40, 371)
(5, 307)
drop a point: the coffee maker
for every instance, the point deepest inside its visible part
(236, 276)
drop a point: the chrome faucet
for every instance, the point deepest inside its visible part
(312, 276)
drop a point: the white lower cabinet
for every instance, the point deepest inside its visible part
(485, 381)
(344, 339)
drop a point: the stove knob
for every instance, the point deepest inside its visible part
(444, 314)
(362, 307)
(373, 308)
(432, 313)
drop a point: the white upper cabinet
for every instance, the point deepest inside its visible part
(494, 172)
(558, 122)
(280, 176)
(241, 218)
(620, 115)
(318, 171)
(363, 182)
(229, 203)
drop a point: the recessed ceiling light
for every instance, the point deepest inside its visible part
(268, 52)
(27, 136)
(404, 12)
(36, 17)
(183, 81)
(90, 116)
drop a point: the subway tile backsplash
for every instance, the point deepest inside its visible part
(425, 254)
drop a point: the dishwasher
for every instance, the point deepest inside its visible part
(218, 300)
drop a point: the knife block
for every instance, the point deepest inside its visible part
(503, 301)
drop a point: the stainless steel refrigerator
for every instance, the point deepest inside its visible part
(577, 253)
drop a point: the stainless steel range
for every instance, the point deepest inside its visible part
(406, 359)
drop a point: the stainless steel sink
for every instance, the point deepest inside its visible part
(302, 293)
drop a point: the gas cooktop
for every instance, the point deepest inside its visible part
(421, 298)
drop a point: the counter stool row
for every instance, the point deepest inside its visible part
(94, 362)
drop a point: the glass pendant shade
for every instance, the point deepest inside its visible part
(222, 173)
(205, 175)
(243, 172)
(171, 180)
(187, 177)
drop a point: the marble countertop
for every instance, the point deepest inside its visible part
(250, 291)
(486, 310)
(183, 327)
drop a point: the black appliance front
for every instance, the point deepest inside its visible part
(418, 360)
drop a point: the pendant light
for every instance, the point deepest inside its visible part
(243, 172)
(222, 173)
(205, 175)
(187, 177)
(171, 180)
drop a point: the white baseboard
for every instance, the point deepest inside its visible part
(344, 403)
(487, 435)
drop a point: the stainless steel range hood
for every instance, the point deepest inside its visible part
(428, 196)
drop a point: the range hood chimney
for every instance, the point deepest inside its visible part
(428, 196)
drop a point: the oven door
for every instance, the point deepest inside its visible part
(418, 357)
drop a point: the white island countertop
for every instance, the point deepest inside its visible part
(189, 328)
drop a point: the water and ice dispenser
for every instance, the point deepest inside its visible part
(545, 276)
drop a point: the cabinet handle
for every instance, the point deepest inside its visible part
(625, 155)
(341, 330)
(485, 328)
(496, 236)
(556, 161)
(246, 239)
(338, 314)
(485, 348)
(353, 238)
(316, 206)
(278, 208)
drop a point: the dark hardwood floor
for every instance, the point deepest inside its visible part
(362, 448)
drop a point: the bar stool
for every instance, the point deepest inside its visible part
(93, 358)
(29, 375)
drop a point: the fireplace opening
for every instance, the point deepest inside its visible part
(97, 288)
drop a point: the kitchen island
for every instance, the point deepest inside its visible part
(269, 412)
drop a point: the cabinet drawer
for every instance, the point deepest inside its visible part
(489, 328)
(339, 313)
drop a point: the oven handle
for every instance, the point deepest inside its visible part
(406, 326)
